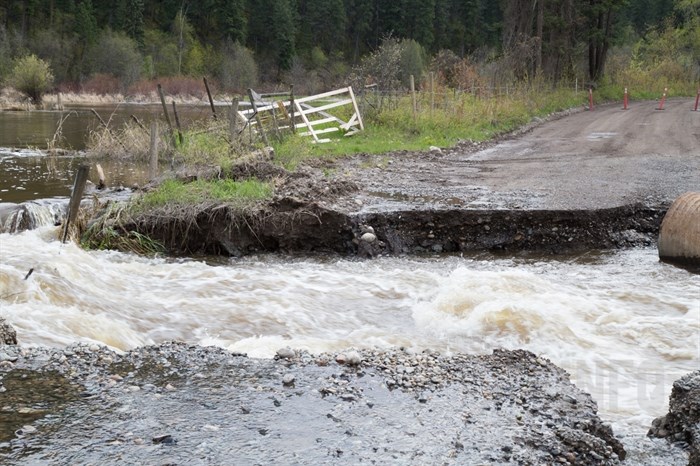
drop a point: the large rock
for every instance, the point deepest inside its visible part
(8, 335)
(679, 237)
(682, 423)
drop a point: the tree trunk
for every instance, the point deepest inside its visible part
(540, 38)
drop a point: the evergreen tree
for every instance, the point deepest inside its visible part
(235, 21)
(133, 22)
(359, 22)
(319, 24)
(272, 31)
(420, 18)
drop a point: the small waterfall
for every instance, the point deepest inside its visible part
(30, 215)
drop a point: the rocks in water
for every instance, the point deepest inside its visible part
(164, 440)
(683, 419)
(8, 335)
(351, 358)
(286, 353)
(288, 380)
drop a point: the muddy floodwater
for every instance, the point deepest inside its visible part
(623, 324)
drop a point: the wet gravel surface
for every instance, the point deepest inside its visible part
(176, 403)
(571, 160)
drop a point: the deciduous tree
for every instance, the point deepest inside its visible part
(32, 77)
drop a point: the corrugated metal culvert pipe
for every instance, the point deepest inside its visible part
(679, 237)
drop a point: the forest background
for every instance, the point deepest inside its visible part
(102, 47)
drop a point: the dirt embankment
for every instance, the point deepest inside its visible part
(583, 180)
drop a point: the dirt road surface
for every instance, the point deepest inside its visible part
(603, 158)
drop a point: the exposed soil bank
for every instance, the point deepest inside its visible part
(290, 225)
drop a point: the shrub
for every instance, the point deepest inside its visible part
(31, 76)
(117, 54)
(101, 84)
(238, 70)
(391, 65)
(58, 50)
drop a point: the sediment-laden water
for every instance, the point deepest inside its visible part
(623, 324)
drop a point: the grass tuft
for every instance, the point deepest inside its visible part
(239, 193)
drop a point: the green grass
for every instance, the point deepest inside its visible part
(455, 118)
(390, 124)
(172, 192)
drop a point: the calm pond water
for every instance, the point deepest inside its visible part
(28, 171)
(36, 129)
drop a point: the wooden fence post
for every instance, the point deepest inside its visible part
(413, 98)
(233, 121)
(177, 122)
(75, 198)
(257, 117)
(101, 180)
(432, 93)
(165, 111)
(153, 159)
(211, 101)
(291, 108)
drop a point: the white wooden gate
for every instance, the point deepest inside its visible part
(314, 116)
(309, 114)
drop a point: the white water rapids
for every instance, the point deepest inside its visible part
(624, 325)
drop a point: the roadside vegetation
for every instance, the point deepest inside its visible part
(174, 192)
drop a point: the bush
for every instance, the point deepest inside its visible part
(390, 66)
(55, 49)
(238, 70)
(117, 54)
(31, 76)
(101, 84)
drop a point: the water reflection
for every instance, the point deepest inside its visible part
(39, 129)
(27, 175)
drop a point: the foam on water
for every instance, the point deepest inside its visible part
(623, 324)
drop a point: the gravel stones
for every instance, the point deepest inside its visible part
(288, 380)
(388, 406)
(683, 419)
(8, 335)
(285, 353)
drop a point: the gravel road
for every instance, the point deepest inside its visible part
(603, 158)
